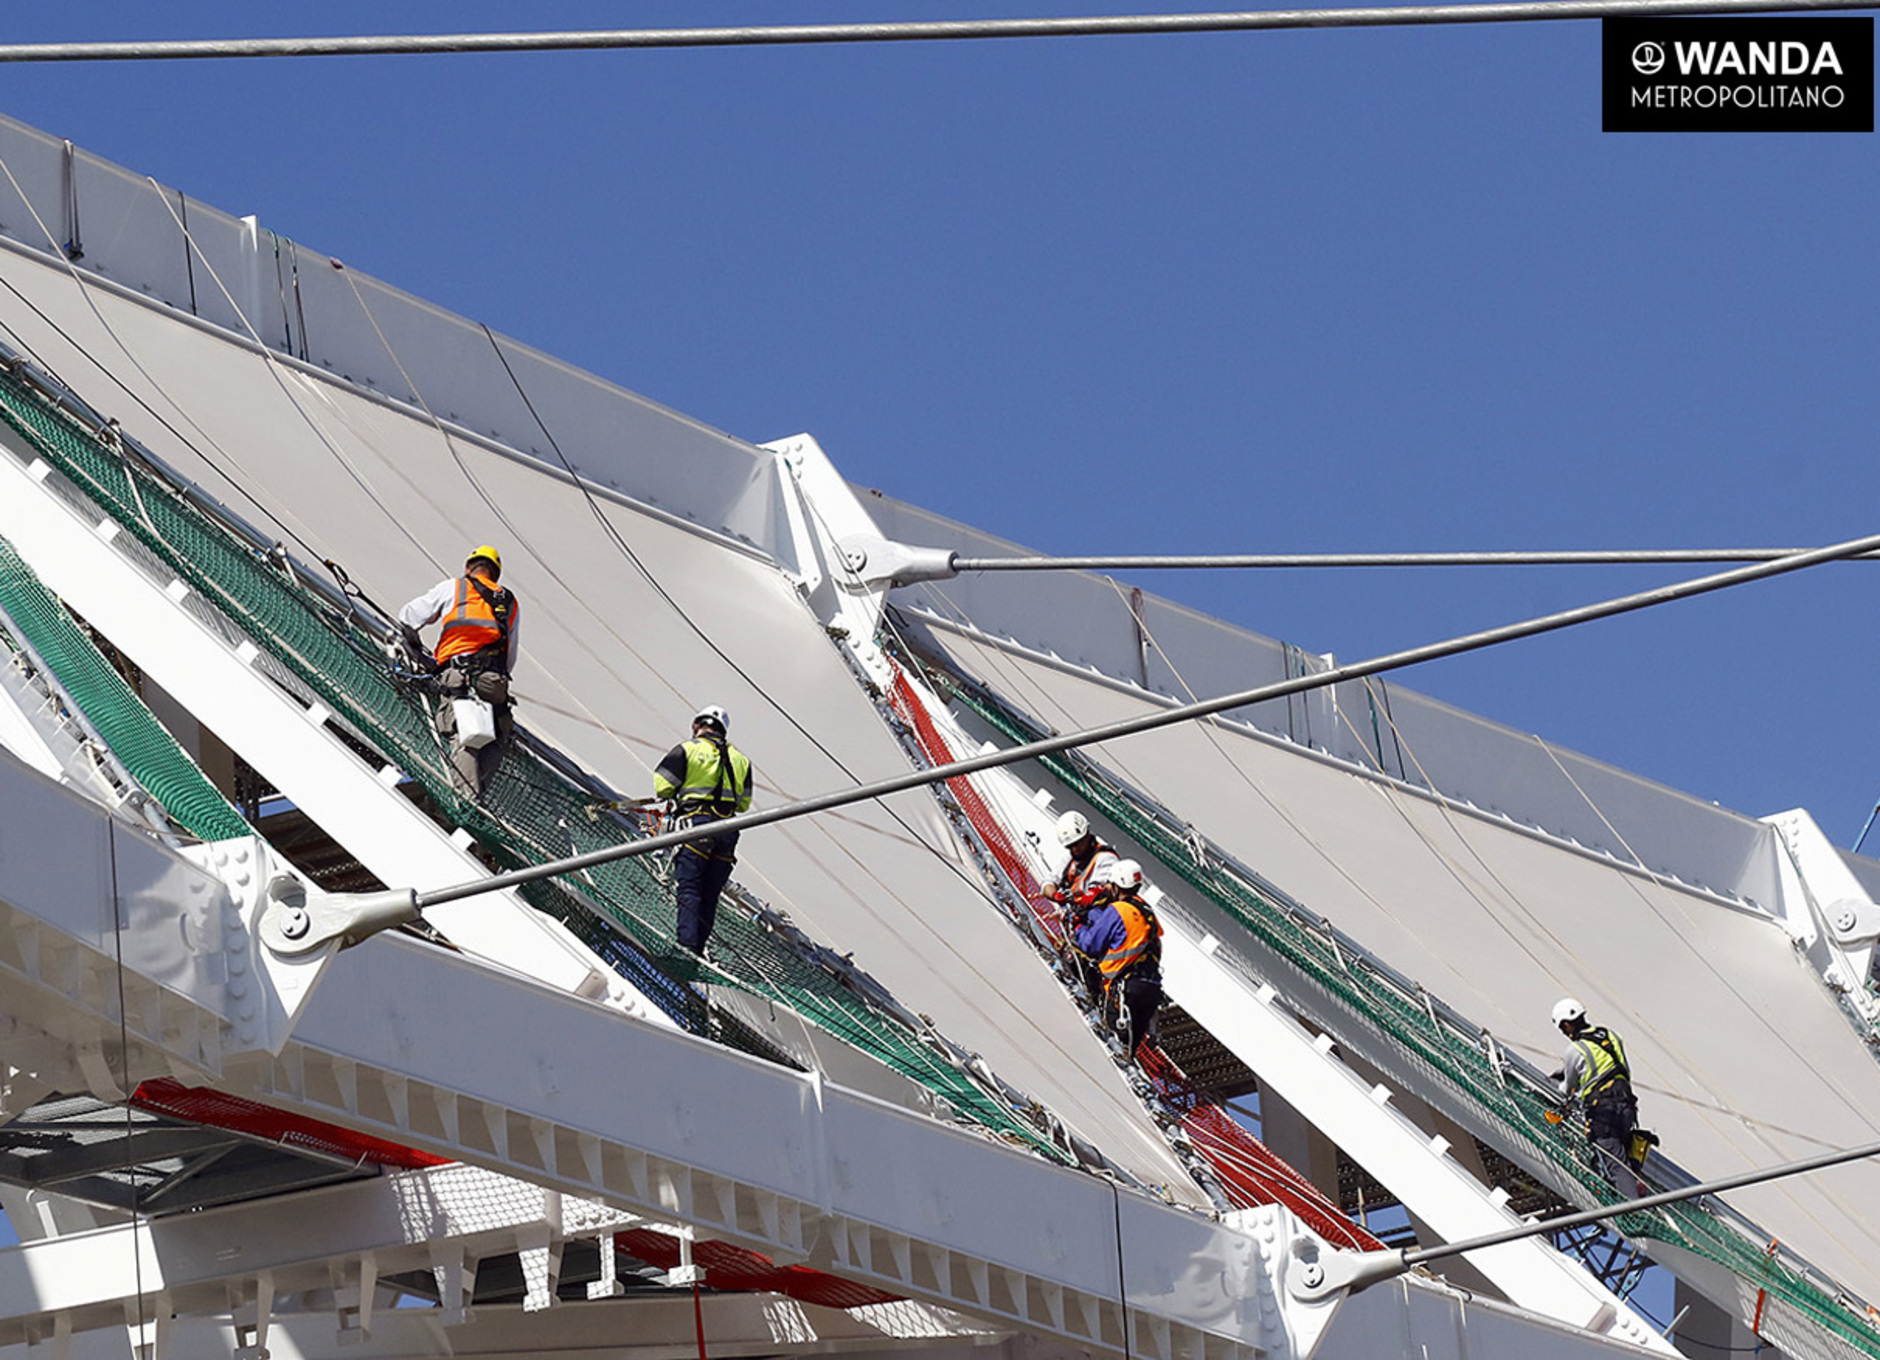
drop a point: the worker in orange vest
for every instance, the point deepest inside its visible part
(1125, 939)
(475, 656)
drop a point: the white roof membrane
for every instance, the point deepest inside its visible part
(611, 671)
(1742, 1057)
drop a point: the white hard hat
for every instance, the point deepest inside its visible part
(714, 713)
(1567, 1010)
(1123, 873)
(1071, 828)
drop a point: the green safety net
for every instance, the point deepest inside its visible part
(1301, 955)
(535, 809)
(148, 752)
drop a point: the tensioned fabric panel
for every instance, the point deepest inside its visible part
(611, 671)
(1743, 1057)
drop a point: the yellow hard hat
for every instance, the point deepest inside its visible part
(488, 553)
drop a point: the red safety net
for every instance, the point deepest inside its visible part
(1249, 1173)
(733, 1268)
(218, 1110)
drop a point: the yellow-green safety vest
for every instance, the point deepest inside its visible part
(712, 783)
(1604, 1055)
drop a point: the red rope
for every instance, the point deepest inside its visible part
(1249, 1172)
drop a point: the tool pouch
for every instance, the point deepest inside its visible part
(1639, 1146)
(476, 722)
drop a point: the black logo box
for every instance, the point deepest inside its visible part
(1737, 75)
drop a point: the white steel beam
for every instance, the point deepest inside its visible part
(80, 894)
(317, 1240)
(1828, 913)
(286, 740)
(438, 1051)
(1219, 990)
(22, 727)
(771, 1159)
(658, 1328)
(335, 1246)
(1306, 1073)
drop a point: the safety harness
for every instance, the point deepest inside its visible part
(1592, 1044)
(1074, 882)
(725, 795)
(502, 607)
(1139, 955)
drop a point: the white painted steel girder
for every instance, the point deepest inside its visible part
(438, 1051)
(286, 740)
(1304, 1071)
(658, 1328)
(81, 894)
(1218, 989)
(1827, 911)
(417, 1045)
(341, 1238)
(819, 513)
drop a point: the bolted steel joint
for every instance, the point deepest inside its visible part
(294, 923)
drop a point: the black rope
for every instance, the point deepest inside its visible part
(183, 439)
(626, 549)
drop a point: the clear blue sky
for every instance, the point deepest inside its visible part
(1332, 290)
(1313, 291)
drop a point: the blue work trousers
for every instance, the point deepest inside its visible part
(702, 869)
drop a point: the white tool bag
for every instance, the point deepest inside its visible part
(476, 722)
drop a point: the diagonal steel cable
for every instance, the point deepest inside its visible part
(1548, 623)
(944, 30)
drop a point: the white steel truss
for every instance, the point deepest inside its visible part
(196, 657)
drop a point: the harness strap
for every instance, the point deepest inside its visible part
(500, 602)
(716, 800)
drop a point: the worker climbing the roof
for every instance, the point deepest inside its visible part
(474, 658)
(1125, 939)
(708, 780)
(1074, 890)
(1073, 885)
(1596, 1074)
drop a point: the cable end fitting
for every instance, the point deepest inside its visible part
(1318, 1279)
(295, 922)
(878, 561)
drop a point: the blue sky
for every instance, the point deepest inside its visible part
(1292, 292)
(1307, 291)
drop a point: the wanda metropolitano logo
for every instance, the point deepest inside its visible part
(1738, 75)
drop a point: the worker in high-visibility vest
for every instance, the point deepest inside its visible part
(1073, 885)
(1125, 939)
(708, 779)
(475, 655)
(1596, 1074)
(1074, 890)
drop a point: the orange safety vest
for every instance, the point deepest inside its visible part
(479, 617)
(1141, 950)
(1076, 885)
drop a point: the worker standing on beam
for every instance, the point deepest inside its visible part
(1125, 939)
(708, 779)
(1596, 1074)
(475, 656)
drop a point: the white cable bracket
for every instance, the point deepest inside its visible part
(298, 919)
(878, 560)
